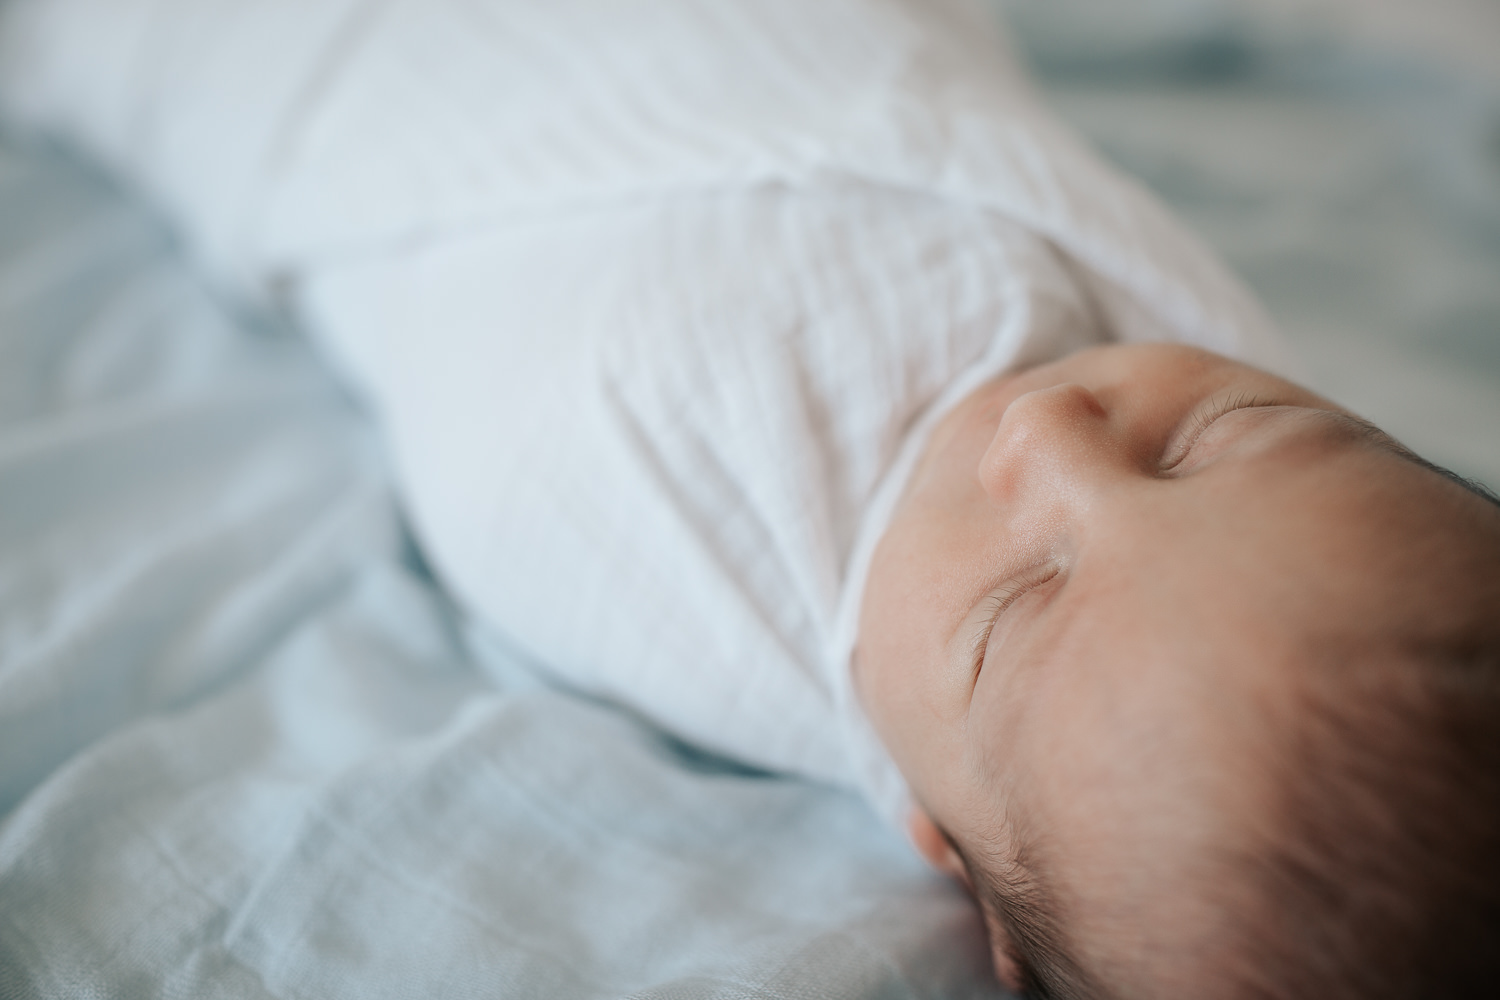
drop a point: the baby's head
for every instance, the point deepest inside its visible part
(1196, 679)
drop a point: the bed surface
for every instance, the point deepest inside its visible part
(247, 749)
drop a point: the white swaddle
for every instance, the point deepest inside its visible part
(655, 299)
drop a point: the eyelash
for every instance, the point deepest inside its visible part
(1206, 418)
(1021, 587)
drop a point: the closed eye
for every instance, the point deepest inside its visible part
(1000, 599)
(1204, 418)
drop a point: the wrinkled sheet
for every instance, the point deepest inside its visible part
(245, 746)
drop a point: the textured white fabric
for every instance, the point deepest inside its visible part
(656, 299)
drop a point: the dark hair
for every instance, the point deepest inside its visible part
(1385, 882)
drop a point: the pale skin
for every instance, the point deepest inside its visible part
(1083, 632)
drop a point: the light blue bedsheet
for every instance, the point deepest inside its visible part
(246, 748)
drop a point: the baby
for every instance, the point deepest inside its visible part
(1197, 680)
(781, 370)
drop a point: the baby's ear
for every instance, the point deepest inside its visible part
(933, 844)
(1007, 969)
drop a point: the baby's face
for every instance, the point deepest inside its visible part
(1083, 630)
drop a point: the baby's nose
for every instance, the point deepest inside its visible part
(1053, 446)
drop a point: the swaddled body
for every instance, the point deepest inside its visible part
(656, 301)
(647, 452)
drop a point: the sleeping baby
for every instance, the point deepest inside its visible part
(782, 371)
(1193, 674)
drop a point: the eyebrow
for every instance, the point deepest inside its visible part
(1383, 440)
(1372, 434)
(1029, 911)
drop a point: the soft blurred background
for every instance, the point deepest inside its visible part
(1343, 155)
